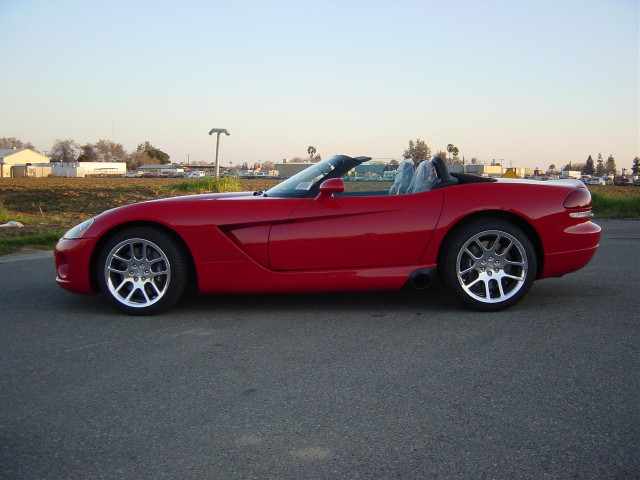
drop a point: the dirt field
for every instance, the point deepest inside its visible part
(49, 204)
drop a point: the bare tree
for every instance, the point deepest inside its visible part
(64, 151)
(109, 151)
(138, 158)
(12, 143)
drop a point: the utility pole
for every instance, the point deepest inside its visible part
(218, 131)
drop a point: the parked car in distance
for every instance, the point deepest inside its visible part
(596, 181)
(486, 239)
(622, 182)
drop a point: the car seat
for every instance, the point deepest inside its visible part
(424, 179)
(403, 178)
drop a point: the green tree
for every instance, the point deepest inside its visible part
(64, 151)
(313, 158)
(155, 153)
(600, 167)
(417, 151)
(449, 150)
(88, 153)
(635, 168)
(589, 167)
(610, 165)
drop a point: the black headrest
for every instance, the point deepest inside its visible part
(441, 169)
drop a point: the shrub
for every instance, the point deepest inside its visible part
(604, 206)
(208, 184)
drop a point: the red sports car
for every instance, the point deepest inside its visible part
(337, 226)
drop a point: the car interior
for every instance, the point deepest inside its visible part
(428, 175)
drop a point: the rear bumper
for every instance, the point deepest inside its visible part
(583, 240)
(73, 265)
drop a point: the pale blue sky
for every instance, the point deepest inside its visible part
(529, 82)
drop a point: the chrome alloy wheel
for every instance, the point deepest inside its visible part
(137, 272)
(492, 266)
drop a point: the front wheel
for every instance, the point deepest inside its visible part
(489, 265)
(142, 270)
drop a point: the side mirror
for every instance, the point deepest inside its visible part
(329, 187)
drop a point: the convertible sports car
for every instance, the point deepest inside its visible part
(337, 226)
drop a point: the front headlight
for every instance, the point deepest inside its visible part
(79, 230)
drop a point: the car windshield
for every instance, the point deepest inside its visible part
(307, 181)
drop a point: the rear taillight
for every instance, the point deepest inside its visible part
(579, 198)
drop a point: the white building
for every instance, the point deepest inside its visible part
(84, 169)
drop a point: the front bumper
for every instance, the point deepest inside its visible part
(73, 265)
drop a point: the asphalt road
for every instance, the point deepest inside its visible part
(385, 385)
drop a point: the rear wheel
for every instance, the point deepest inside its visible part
(142, 270)
(489, 265)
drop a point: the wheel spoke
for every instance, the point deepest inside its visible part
(131, 293)
(144, 292)
(513, 262)
(120, 285)
(512, 277)
(115, 270)
(155, 288)
(471, 254)
(470, 269)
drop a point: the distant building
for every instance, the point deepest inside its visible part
(38, 170)
(88, 169)
(289, 169)
(21, 158)
(481, 170)
(510, 173)
(165, 169)
(490, 170)
(570, 174)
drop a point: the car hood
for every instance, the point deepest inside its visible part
(194, 211)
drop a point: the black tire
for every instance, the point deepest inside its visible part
(142, 270)
(489, 264)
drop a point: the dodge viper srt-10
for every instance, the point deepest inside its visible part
(337, 226)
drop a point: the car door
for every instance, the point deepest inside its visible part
(355, 232)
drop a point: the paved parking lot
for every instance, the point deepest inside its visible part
(384, 385)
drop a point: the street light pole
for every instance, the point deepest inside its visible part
(218, 131)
